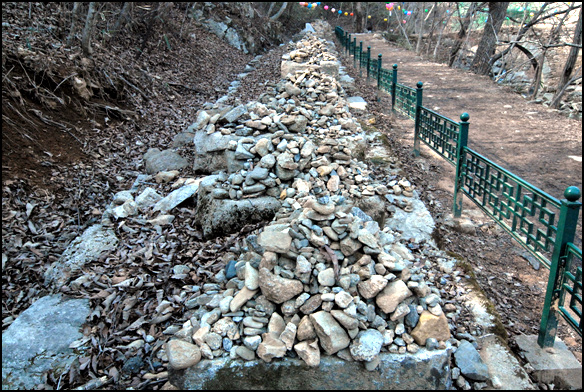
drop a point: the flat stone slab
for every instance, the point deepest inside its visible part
(82, 250)
(417, 224)
(422, 370)
(555, 365)
(505, 371)
(38, 340)
(357, 103)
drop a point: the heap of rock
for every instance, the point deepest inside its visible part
(326, 277)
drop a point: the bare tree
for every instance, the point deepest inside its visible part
(441, 32)
(272, 4)
(481, 63)
(539, 17)
(420, 16)
(122, 18)
(86, 38)
(570, 62)
(553, 38)
(73, 22)
(360, 18)
(280, 11)
(464, 25)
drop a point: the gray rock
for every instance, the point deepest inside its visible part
(278, 289)
(38, 341)
(176, 197)
(84, 249)
(201, 121)
(425, 370)
(391, 296)
(147, 198)
(366, 345)
(274, 239)
(235, 40)
(299, 124)
(221, 217)
(235, 113)
(332, 336)
(217, 28)
(470, 363)
(156, 161)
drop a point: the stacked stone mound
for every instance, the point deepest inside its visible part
(326, 277)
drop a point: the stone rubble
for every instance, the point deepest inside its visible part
(326, 276)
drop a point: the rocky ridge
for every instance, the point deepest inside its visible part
(325, 277)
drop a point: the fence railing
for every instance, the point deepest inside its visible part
(542, 224)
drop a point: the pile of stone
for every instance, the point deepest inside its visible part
(327, 276)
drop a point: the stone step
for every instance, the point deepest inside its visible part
(422, 370)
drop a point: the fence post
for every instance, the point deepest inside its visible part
(368, 61)
(419, 92)
(567, 222)
(354, 52)
(348, 44)
(360, 58)
(460, 145)
(378, 77)
(393, 87)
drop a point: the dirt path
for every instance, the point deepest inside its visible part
(530, 140)
(500, 264)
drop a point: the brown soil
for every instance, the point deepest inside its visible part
(526, 139)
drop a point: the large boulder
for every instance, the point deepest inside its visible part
(84, 249)
(156, 161)
(224, 216)
(39, 340)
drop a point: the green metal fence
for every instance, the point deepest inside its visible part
(542, 224)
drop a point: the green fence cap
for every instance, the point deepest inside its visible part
(572, 193)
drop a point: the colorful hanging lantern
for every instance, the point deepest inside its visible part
(391, 6)
(368, 16)
(309, 6)
(385, 20)
(333, 10)
(340, 12)
(346, 13)
(326, 7)
(351, 14)
(404, 21)
(426, 10)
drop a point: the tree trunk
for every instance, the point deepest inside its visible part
(359, 18)
(420, 27)
(464, 25)
(538, 73)
(280, 11)
(120, 22)
(73, 22)
(570, 62)
(86, 38)
(554, 36)
(444, 25)
(481, 63)
(272, 4)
